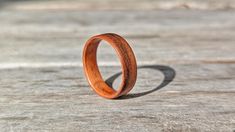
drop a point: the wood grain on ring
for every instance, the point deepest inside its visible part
(126, 56)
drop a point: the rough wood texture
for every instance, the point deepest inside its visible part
(126, 57)
(186, 68)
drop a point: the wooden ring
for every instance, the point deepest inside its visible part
(126, 56)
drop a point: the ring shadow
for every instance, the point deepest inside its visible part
(168, 72)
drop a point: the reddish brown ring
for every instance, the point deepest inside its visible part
(126, 56)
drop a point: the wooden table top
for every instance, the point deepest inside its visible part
(185, 53)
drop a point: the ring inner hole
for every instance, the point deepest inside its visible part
(109, 64)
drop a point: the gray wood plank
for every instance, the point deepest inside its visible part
(166, 36)
(185, 54)
(119, 5)
(200, 98)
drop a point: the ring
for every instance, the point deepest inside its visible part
(127, 59)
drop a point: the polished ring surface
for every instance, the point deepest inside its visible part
(127, 59)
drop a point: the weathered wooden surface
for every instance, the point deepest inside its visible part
(186, 75)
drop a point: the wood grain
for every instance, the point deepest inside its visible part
(120, 5)
(185, 56)
(201, 97)
(91, 68)
(177, 36)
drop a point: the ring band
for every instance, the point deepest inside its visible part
(128, 62)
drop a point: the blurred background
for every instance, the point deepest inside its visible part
(37, 33)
